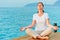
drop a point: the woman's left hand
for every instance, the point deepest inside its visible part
(55, 28)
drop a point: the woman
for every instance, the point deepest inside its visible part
(41, 21)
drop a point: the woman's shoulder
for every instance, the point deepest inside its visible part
(45, 13)
(35, 14)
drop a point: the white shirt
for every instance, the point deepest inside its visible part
(40, 21)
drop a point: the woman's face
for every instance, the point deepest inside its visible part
(40, 6)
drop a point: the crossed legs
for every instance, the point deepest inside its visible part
(42, 36)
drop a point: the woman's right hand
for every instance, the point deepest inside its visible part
(22, 29)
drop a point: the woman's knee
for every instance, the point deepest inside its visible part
(27, 30)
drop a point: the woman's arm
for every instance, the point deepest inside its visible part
(48, 24)
(30, 26)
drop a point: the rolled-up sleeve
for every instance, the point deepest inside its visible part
(34, 17)
(47, 16)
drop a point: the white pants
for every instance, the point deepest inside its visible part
(34, 34)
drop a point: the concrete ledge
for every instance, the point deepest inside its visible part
(53, 36)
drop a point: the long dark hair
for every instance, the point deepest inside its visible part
(42, 5)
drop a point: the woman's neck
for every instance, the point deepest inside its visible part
(40, 12)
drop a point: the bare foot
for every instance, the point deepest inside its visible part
(45, 38)
(38, 37)
(42, 38)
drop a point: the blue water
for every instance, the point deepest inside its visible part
(11, 19)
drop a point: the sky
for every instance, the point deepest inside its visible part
(20, 3)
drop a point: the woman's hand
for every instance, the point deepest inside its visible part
(55, 28)
(22, 28)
